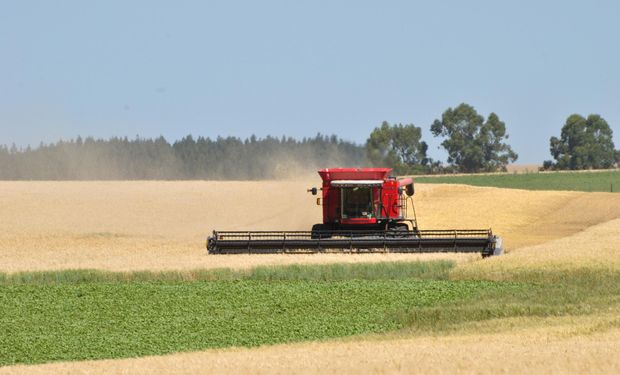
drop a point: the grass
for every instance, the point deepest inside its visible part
(581, 291)
(437, 270)
(77, 315)
(576, 181)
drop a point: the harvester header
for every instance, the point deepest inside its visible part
(364, 210)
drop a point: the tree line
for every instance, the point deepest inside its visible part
(228, 158)
(476, 144)
(473, 144)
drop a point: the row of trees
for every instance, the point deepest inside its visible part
(189, 158)
(473, 144)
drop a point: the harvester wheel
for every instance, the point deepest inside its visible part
(497, 249)
(398, 230)
(320, 231)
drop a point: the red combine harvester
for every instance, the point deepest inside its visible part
(364, 210)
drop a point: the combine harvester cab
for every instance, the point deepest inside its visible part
(364, 210)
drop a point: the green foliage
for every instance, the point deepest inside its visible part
(584, 144)
(527, 294)
(397, 146)
(42, 323)
(473, 144)
(577, 181)
(436, 270)
(90, 315)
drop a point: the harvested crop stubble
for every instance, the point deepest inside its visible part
(162, 225)
(528, 351)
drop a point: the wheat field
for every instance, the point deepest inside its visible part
(596, 247)
(124, 226)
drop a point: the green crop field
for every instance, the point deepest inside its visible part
(90, 320)
(577, 181)
(76, 315)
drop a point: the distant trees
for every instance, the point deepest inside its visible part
(189, 158)
(398, 146)
(584, 143)
(473, 144)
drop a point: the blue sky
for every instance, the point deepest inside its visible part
(122, 68)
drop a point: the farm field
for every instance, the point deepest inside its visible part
(127, 226)
(522, 168)
(556, 350)
(603, 181)
(553, 298)
(190, 316)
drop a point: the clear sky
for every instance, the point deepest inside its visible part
(122, 68)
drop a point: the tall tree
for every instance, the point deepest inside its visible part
(398, 146)
(473, 144)
(583, 144)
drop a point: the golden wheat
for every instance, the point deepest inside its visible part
(163, 225)
(596, 247)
